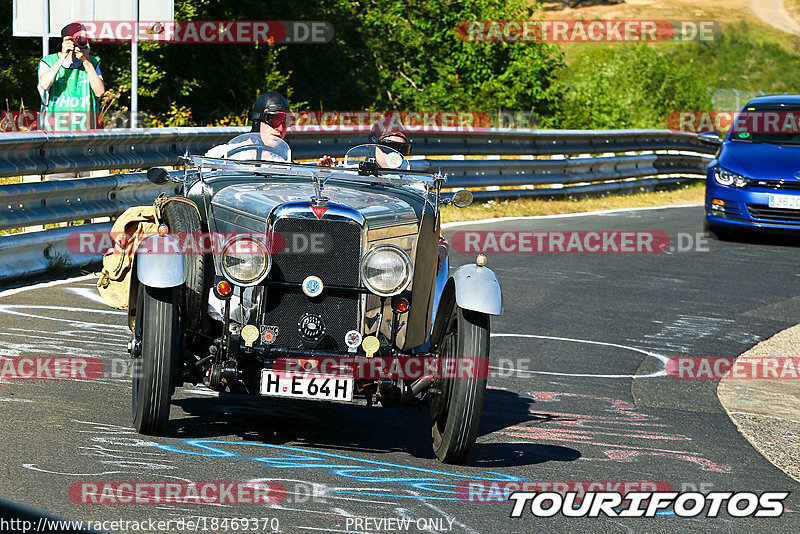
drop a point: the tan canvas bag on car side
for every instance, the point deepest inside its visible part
(129, 230)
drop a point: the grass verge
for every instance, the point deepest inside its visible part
(689, 194)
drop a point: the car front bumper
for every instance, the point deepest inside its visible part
(748, 207)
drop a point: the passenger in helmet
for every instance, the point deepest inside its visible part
(269, 120)
(389, 132)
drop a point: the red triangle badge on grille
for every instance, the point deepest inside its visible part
(319, 211)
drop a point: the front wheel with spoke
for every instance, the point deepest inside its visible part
(457, 404)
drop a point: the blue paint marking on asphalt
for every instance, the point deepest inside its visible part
(359, 469)
(300, 458)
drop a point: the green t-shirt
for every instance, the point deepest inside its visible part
(70, 103)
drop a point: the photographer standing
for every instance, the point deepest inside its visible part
(70, 83)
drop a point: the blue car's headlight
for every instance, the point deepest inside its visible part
(731, 179)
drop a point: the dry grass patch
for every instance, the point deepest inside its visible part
(690, 194)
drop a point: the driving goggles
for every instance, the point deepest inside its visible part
(403, 147)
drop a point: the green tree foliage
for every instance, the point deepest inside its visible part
(407, 55)
(422, 64)
(385, 55)
(630, 87)
(19, 59)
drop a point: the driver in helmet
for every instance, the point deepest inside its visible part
(269, 120)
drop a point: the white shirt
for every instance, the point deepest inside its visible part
(281, 152)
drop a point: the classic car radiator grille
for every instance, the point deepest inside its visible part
(336, 265)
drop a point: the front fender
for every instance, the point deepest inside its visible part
(471, 288)
(477, 289)
(159, 262)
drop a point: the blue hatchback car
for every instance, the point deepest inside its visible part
(754, 181)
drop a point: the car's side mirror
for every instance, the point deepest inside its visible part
(710, 138)
(157, 175)
(462, 198)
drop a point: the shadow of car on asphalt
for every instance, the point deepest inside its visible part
(359, 428)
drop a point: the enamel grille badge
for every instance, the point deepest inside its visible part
(269, 333)
(352, 339)
(312, 286)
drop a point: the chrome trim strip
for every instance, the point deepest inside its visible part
(301, 209)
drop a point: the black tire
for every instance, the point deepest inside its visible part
(181, 218)
(457, 409)
(157, 331)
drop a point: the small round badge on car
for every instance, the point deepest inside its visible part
(371, 344)
(312, 286)
(269, 333)
(352, 339)
(249, 334)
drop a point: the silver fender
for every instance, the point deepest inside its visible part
(470, 288)
(477, 289)
(159, 262)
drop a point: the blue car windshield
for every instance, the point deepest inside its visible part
(769, 124)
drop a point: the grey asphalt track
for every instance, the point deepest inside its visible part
(587, 400)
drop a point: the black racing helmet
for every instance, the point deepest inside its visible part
(266, 106)
(390, 127)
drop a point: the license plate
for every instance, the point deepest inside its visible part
(789, 202)
(305, 387)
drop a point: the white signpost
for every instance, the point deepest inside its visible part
(45, 19)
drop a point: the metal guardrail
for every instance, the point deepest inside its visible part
(47, 153)
(624, 160)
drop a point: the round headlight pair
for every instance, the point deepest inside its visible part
(246, 261)
(386, 270)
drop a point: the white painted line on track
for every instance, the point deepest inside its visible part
(11, 309)
(520, 372)
(14, 291)
(88, 293)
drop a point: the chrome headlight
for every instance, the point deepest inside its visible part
(386, 270)
(731, 179)
(245, 260)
